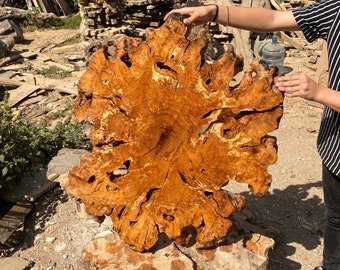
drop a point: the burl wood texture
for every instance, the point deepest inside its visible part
(169, 121)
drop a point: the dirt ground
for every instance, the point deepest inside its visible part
(55, 234)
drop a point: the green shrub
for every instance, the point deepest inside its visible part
(34, 20)
(54, 72)
(23, 145)
(72, 22)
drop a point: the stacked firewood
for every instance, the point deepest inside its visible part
(103, 19)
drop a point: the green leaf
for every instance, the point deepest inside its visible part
(4, 171)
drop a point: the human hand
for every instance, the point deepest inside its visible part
(194, 15)
(299, 86)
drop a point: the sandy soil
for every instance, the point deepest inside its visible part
(55, 235)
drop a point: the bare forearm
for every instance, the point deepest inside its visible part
(329, 98)
(248, 18)
(256, 19)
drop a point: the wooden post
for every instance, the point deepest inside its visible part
(29, 4)
(64, 7)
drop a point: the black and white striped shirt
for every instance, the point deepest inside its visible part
(322, 20)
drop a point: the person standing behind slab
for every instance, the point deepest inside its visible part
(319, 20)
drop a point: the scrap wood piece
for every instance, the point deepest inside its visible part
(277, 5)
(45, 63)
(24, 90)
(67, 88)
(8, 26)
(249, 226)
(6, 75)
(59, 43)
(12, 220)
(11, 83)
(21, 93)
(6, 44)
(32, 185)
(29, 55)
(29, 4)
(281, 34)
(14, 67)
(35, 3)
(15, 14)
(46, 6)
(64, 7)
(170, 119)
(296, 43)
(10, 58)
(31, 101)
(322, 66)
(61, 86)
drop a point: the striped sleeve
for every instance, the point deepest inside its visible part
(315, 20)
(322, 20)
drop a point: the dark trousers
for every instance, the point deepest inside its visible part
(331, 253)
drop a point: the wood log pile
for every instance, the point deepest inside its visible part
(57, 7)
(10, 33)
(169, 133)
(104, 19)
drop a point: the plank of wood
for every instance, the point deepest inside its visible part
(29, 55)
(36, 194)
(291, 41)
(68, 88)
(36, 4)
(9, 82)
(48, 6)
(322, 65)
(20, 93)
(69, 68)
(29, 4)
(31, 100)
(58, 44)
(7, 75)
(64, 7)
(12, 220)
(14, 67)
(42, 6)
(5, 27)
(18, 34)
(55, 6)
(10, 58)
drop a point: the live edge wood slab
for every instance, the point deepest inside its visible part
(169, 133)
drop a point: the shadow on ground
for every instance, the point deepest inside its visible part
(298, 213)
(44, 210)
